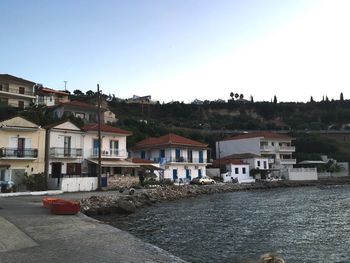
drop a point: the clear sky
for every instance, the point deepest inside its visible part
(181, 49)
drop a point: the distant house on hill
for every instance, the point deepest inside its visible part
(87, 112)
(50, 97)
(140, 99)
(16, 92)
(181, 158)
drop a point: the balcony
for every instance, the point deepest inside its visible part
(266, 148)
(112, 153)
(15, 153)
(178, 160)
(286, 149)
(287, 161)
(61, 152)
(20, 92)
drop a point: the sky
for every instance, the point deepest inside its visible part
(181, 50)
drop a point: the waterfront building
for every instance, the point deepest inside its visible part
(22, 150)
(243, 167)
(113, 151)
(16, 92)
(181, 159)
(64, 152)
(277, 148)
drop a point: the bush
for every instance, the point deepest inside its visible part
(35, 182)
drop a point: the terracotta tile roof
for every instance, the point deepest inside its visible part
(262, 134)
(78, 104)
(168, 140)
(47, 90)
(241, 156)
(106, 128)
(12, 78)
(225, 161)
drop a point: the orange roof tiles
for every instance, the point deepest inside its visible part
(106, 128)
(168, 140)
(262, 134)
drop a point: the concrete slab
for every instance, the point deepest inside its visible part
(11, 238)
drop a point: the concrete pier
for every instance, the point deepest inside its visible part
(29, 233)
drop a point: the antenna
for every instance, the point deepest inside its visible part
(65, 85)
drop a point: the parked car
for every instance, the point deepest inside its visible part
(203, 180)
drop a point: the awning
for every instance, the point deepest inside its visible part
(115, 163)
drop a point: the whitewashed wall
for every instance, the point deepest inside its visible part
(251, 145)
(74, 184)
(302, 174)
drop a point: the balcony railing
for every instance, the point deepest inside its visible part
(178, 160)
(287, 161)
(112, 153)
(17, 91)
(18, 153)
(266, 148)
(61, 152)
(287, 148)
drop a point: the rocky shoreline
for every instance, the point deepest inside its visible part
(126, 204)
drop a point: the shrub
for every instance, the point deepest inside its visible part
(35, 182)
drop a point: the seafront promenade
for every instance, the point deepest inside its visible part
(29, 233)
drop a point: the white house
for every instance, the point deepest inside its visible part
(181, 158)
(50, 97)
(238, 167)
(277, 148)
(65, 152)
(113, 151)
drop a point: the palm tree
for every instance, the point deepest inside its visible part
(231, 95)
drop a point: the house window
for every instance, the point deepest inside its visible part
(79, 115)
(4, 101)
(21, 105)
(190, 156)
(272, 143)
(67, 146)
(143, 155)
(236, 170)
(265, 164)
(243, 170)
(258, 163)
(162, 153)
(21, 90)
(114, 147)
(73, 169)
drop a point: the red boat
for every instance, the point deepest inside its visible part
(60, 206)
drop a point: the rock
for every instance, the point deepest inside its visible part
(126, 207)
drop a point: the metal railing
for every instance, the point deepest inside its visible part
(287, 148)
(18, 153)
(178, 160)
(23, 91)
(111, 153)
(287, 161)
(61, 152)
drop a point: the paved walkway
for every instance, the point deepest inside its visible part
(29, 233)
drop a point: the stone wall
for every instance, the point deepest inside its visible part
(115, 182)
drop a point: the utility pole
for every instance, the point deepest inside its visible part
(65, 85)
(99, 138)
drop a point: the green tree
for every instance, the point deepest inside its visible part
(341, 96)
(78, 92)
(251, 99)
(311, 99)
(232, 95)
(275, 99)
